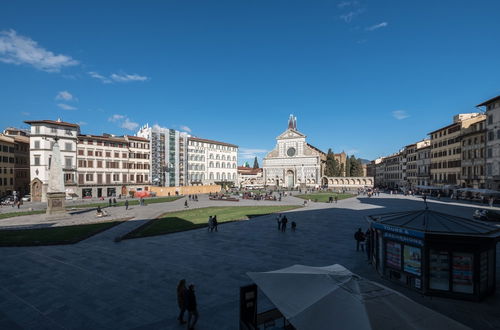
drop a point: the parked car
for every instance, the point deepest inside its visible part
(486, 215)
(26, 198)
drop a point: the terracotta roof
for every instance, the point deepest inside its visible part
(119, 139)
(136, 138)
(313, 147)
(442, 128)
(489, 101)
(213, 141)
(249, 170)
(52, 122)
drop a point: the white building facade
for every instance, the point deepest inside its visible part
(293, 162)
(211, 161)
(492, 157)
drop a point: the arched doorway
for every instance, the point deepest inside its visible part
(290, 179)
(36, 190)
(324, 182)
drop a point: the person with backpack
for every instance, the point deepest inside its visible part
(359, 236)
(191, 307)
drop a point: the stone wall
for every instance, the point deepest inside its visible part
(185, 190)
(347, 182)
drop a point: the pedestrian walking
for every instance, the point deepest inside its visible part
(181, 300)
(293, 226)
(114, 201)
(359, 237)
(210, 224)
(126, 205)
(284, 221)
(214, 222)
(278, 220)
(191, 307)
(336, 199)
(186, 204)
(110, 201)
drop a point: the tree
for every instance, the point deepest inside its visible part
(255, 163)
(347, 166)
(356, 167)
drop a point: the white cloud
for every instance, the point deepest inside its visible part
(347, 4)
(66, 106)
(123, 122)
(377, 26)
(130, 125)
(127, 77)
(96, 75)
(82, 123)
(185, 128)
(400, 114)
(115, 118)
(250, 153)
(24, 113)
(348, 17)
(115, 77)
(17, 49)
(65, 95)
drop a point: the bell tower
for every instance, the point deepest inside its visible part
(292, 122)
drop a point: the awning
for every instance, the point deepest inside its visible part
(318, 298)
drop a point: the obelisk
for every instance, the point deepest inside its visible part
(56, 193)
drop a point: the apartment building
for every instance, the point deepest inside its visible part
(492, 160)
(169, 154)
(393, 171)
(423, 162)
(211, 161)
(410, 166)
(42, 136)
(21, 159)
(109, 165)
(473, 161)
(446, 153)
(7, 162)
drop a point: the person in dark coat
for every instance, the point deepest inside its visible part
(181, 300)
(278, 220)
(110, 201)
(294, 225)
(214, 222)
(359, 236)
(186, 204)
(126, 204)
(191, 307)
(284, 221)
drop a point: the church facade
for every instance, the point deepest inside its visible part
(293, 162)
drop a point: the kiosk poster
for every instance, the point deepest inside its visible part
(412, 260)
(393, 255)
(439, 266)
(462, 272)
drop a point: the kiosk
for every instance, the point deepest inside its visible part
(435, 253)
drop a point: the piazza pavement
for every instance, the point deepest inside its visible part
(102, 284)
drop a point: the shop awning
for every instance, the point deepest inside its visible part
(332, 297)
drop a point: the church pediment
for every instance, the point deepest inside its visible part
(290, 134)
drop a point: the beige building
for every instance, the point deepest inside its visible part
(109, 166)
(21, 160)
(423, 162)
(250, 177)
(7, 162)
(447, 150)
(473, 161)
(393, 171)
(211, 161)
(492, 151)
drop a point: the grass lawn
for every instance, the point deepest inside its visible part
(92, 205)
(323, 197)
(196, 218)
(53, 235)
(17, 214)
(121, 202)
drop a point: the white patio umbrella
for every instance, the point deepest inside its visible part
(318, 298)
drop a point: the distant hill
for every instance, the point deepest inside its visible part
(364, 161)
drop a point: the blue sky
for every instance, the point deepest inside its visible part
(367, 77)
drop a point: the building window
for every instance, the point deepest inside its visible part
(68, 162)
(89, 177)
(490, 119)
(37, 129)
(68, 146)
(53, 130)
(37, 144)
(37, 160)
(490, 153)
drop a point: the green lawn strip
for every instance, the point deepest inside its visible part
(130, 202)
(323, 197)
(53, 235)
(18, 214)
(196, 218)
